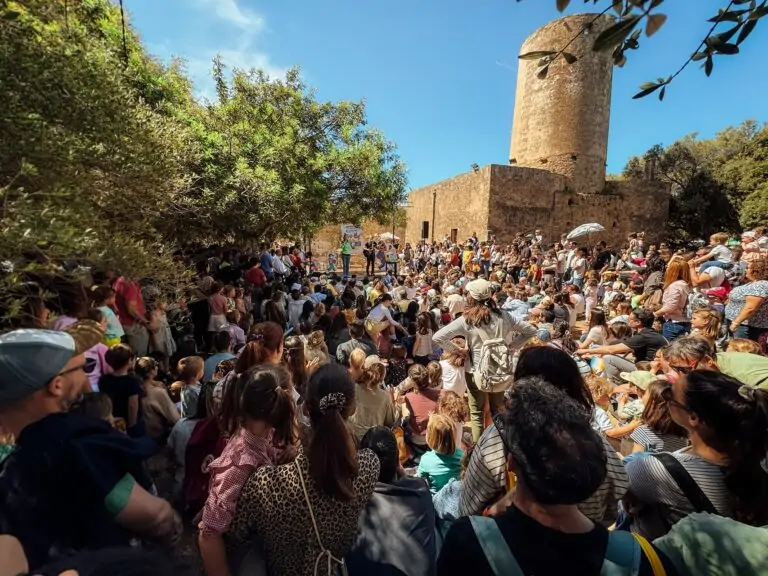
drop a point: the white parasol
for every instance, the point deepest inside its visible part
(584, 230)
(387, 236)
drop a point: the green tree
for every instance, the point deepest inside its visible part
(274, 161)
(731, 26)
(86, 156)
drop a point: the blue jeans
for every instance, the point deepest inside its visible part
(748, 332)
(715, 264)
(345, 258)
(674, 330)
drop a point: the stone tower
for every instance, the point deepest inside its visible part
(561, 121)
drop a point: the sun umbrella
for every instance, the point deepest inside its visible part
(585, 229)
(388, 236)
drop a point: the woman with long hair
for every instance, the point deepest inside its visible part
(307, 512)
(677, 287)
(597, 333)
(747, 308)
(486, 477)
(727, 423)
(295, 359)
(481, 321)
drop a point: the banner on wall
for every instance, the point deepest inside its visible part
(355, 236)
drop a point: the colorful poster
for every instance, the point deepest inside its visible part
(355, 236)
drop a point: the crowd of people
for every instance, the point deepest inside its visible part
(542, 407)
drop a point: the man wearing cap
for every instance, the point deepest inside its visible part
(71, 482)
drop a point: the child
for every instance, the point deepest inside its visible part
(95, 357)
(590, 298)
(630, 404)
(104, 300)
(706, 323)
(435, 374)
(719, 256)
(124, 389)
(454, 407)
(160, 331)
(331, 262)
(443, 461)
(601, 389)
(397, 370)
(259, 416)
(187, 387)
(96, 405)
(452, 365)
(422, 347)
(410, 340)
(622, 311)
(229, 293)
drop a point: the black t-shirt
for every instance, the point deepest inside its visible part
(119, 389)
(538, 550)
(54, 486)
(602, 259)
(645, 344)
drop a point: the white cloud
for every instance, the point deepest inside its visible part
(229, 10)
(239, 50)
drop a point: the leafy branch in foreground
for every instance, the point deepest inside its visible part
(731, 26)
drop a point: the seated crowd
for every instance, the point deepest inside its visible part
(534, 409)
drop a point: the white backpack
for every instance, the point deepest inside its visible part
(494, 371)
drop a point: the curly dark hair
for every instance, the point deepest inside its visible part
(557, 454)
(760, 268)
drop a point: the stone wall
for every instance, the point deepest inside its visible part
(561, 121)
(459, 206)
(523, 199)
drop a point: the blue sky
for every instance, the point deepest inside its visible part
(439, 76)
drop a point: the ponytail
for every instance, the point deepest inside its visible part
(264, 394)
(736, 425)
(332, 453)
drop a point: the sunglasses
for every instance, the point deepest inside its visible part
(87, 367)
(667, 394)
(686, 369)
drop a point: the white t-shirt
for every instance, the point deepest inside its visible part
(424, 347)
(721, 253)
(579, 266)
(454, 379)
(716, 277)
(597, 335)
(578, 303)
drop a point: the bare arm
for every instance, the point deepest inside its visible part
(620, 348)
(150, 516)
(750, 307)
(213, 554)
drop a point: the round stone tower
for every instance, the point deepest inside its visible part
(561, 121)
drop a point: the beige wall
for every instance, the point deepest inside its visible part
(328, 239)
(561, 121)
(460, 203)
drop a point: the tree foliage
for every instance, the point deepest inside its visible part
(733, 24)
(108, 160)
(719, 183)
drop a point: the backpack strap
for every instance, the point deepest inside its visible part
(495, 547)
(625, 552)
(687, 485)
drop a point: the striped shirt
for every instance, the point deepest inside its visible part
(650, 483)
(485, 481)
(653, 442)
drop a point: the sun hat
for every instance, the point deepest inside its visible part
(640, 378)
(31, 358)
(479, 289)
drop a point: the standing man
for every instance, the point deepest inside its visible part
(266, 262)
(132, 314)
(346, 255)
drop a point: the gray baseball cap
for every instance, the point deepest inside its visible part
(30, 358)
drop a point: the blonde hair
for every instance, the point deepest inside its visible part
(719, 238)
(711, 330)
(599, 387)
(440, 432)
(454, 406)
(372, 376)
(744, 345)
